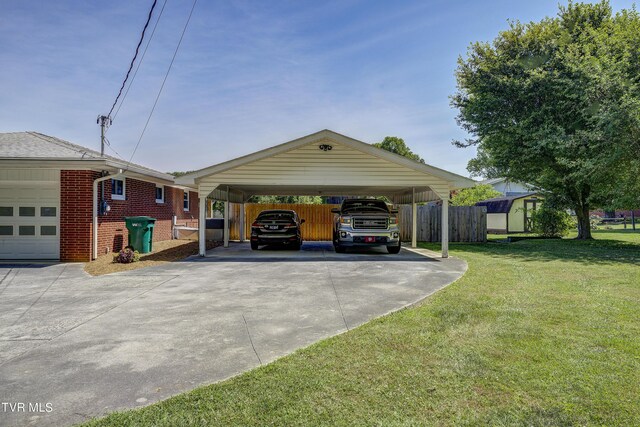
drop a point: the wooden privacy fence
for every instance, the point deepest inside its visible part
(317, 226)
(466, 223)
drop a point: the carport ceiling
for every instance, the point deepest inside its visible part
(325, 163)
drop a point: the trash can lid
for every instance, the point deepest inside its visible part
(139, 218)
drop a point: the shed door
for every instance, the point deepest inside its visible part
(530, 206)
(29, 214)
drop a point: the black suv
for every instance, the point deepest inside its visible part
(277, 227)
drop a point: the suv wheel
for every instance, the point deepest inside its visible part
(339, 249)
(394, 249)
(254, 246)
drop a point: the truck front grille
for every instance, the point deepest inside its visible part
(370, 223)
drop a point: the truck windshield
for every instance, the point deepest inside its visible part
(364, 205)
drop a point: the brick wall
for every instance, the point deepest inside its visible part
(76, 213)
(141, 201)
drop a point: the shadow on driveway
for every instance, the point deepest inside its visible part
(309, 252)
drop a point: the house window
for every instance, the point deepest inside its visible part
(186, 201)
(6, 211)
(118, 189)
(159, 194)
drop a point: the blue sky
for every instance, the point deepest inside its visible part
(249, 74)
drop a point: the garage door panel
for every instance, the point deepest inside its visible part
(30, 214)
(34, 248)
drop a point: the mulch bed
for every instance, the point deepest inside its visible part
(163, 252)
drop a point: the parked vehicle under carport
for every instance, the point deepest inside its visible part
(277, 227)
(365, 223)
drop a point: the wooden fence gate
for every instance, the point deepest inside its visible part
(466, 223)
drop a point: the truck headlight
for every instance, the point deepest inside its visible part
(345, 220)
(393, 220)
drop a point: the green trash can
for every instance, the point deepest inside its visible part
(140, 232)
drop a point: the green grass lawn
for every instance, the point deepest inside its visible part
(537, 333)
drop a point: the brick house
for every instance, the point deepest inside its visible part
(47, 208)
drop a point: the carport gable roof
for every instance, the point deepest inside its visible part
(265, 159)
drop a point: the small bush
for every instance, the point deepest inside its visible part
(126, 256)
(551, 222)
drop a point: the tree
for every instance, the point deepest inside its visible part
(549, 221)
(472, 195)
(556, 104)
(178, 174)
(397, 145)
(307, 200)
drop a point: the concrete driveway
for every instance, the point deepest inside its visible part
(87, 346)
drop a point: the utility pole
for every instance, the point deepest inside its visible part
(104, 122)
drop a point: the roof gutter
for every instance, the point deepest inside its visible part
(71, 163)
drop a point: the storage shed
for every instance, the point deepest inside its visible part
(511, 214)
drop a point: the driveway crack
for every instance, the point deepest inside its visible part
(39, 296)
(92, 318)
(335, 292)
(250, 339)
(9, 282)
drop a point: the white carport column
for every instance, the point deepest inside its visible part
(226, 220)
(242, 222)
(414, 219)
(202, 224)
(445, 227)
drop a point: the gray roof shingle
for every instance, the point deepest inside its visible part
(34, 145)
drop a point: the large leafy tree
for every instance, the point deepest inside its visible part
(398, 146)
(472, 195)
(556, 104)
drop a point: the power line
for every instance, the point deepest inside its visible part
(135, 73)
(134, 58)
(108, 144)
(184, 30)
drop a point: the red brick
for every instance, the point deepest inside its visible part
(76, 212)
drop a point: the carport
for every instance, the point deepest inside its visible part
(324, 163)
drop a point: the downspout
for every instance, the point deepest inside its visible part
(94, 251)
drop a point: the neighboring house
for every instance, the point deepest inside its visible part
(511, 214)
(616, 214)
(508, 188)
(47, 199)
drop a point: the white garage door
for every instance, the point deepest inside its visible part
(29, 214)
